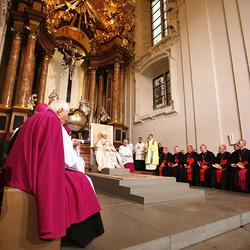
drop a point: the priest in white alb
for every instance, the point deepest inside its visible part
(152, 155)
(139, 154)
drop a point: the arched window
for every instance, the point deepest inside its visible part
(159, 20)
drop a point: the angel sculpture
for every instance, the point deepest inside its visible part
(53, 96)
(84, 106)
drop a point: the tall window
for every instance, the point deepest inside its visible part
(162, 91)
(159, 20)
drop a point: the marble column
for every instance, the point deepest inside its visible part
(116, 92)
(10, 77)
(26, 78)
(100, 92)
(43, 79)
(122, 98)
(87, 84)
(92, 94)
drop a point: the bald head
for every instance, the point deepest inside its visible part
(242, 143)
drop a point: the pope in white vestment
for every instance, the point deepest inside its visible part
(106, 154)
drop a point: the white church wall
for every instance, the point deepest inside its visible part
(204, 86)
(223, 74)
(244, 6)
(163, 122)
(240, 64)
(212, 78)
(58, 79)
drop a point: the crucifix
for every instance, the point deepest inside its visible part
(71, 55)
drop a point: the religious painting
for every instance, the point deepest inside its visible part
(118, 135)
(124, 135)
(162, 91)
(3, 122)
(17, 120)
(96, 130)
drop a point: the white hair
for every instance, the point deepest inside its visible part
(59, 104)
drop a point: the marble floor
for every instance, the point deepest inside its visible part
(128, 223)
(237, 239)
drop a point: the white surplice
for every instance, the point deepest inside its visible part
(71, 159)
(126, 154)
(139, 151)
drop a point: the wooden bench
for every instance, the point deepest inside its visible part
(18, 223)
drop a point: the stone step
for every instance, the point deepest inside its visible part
(143, 181)
(144, 190)
(171, 196)
(153, 188)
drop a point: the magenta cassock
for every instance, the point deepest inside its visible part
(36, 165)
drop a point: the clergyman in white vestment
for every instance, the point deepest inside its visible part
(106, 154)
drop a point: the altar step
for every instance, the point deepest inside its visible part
(144, 189)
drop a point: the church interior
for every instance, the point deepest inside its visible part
(178, 70)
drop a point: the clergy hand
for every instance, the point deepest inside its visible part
(216, 166)
(75, 142)
(240, 165)
(204, 166)
(176, 164)
(234, 165)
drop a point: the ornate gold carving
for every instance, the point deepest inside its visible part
(110, 20)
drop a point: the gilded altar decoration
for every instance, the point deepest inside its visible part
(104, 117)
(76, 120)
(84, 106)
(31, 101)
(101, 21)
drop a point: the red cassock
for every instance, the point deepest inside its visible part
(219, 171)
(242, 177)
(190, 161)
(161, 167)
(36, 165)
(202, 170)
